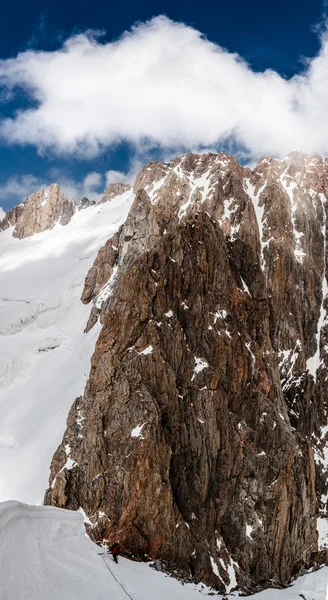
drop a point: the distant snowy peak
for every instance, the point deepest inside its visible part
(39, 212)
(47, 207)
(113, 190)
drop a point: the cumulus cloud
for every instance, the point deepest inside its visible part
(92, 186)
(135, 165)
(165, 83)
(116, 177)
(16, 189)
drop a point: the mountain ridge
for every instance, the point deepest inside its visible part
(209, 362)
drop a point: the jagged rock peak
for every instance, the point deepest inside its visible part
(194, 439)
(85, 203)
(40, 211)
(113, 190)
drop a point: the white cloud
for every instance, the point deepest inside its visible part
(92, 186)
(129, 176)
(2, 213)
(117, 176)
(19, 188)
(165, 83)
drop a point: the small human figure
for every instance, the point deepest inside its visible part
(114, 550)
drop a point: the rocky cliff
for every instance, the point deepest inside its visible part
(39, 212)
(195, 438)
(113, 190)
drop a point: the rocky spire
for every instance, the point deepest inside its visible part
(113, 190)
(39, 212)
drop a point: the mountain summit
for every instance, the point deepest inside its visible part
(39, 212)
(199, 438)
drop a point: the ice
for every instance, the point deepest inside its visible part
(245, 288)
(202, 184)
(45, 196)
(44, 554)
(148, 350)
(249, 531)
(288, 359)
(107, 290)
(259, 212)
(289, 187)
(313, 363)
(215, 567)
(229, 216)
(200, 364)
(230, 568)
(136, 432)
(322, 527)
(86, 519)
(220, 314)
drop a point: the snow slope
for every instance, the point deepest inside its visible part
(44, 354)
(45, 555)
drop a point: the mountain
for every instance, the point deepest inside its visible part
(200, 437)
(39, 212)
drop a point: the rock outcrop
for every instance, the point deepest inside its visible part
(113, 190)
(39, 212)
(85, 203)
(195, 437)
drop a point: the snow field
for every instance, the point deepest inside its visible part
(46, 555)
(44, 354)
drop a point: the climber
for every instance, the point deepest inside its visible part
(114, 550)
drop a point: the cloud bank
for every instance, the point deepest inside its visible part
(164, 84)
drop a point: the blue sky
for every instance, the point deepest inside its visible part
(94, 110)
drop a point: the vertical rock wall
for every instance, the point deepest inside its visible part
(193, 440)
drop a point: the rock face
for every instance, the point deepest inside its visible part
(195, 437)
(85, 203)
(113, 190)
(39, 212)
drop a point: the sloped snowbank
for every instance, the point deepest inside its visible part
(45, 555)
(44, 354)
(312, 586)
